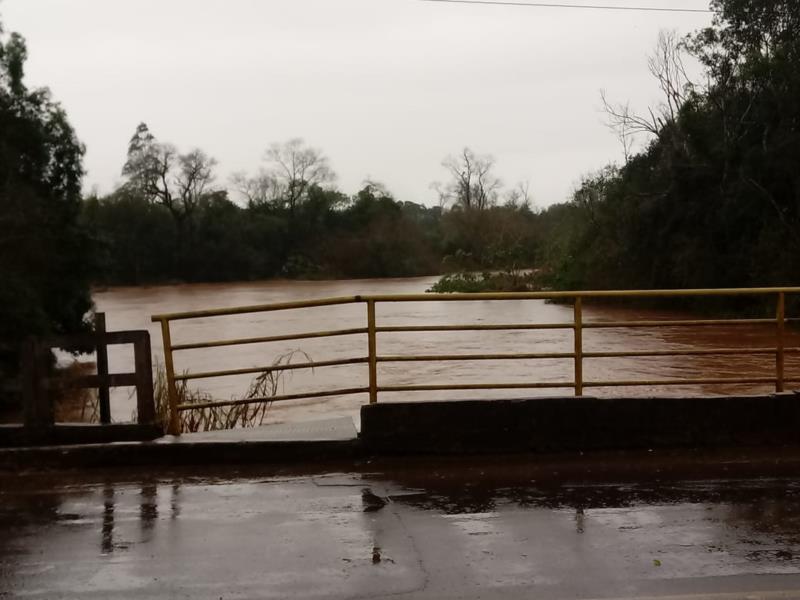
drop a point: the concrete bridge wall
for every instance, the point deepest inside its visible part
(578, 424)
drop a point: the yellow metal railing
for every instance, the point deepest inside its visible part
(578, 355)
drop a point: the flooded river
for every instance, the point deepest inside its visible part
(131, 308)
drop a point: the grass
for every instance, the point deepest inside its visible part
(265, 385)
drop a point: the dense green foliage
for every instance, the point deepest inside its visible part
(45, 255)
(326, 235)
(714, 199)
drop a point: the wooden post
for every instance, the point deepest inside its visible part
(780, 321)
(29, 384)
(174, 426)
(578, 324)
(373, 355)
(36, 402)
(145, 408)
(103, 393)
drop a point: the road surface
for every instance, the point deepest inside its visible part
(403, 529)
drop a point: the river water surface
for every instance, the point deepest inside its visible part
(131, 308)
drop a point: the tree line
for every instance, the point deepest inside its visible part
(170, 220)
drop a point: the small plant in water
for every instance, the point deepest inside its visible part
(264, 386)
(488, 281)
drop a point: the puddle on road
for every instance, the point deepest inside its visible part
(380, 528)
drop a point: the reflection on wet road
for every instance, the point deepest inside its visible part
(435, 531)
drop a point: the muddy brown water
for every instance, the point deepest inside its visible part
(131, 308)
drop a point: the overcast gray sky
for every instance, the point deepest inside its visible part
(386, 88)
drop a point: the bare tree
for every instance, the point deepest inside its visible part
(160, 174)
(193, 178)
(473, 186)
(519, 196)
(295, 167)
(626, 137)
(262, 189)
(666, 64)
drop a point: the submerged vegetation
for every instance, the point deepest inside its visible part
(472, 283)
(265, 385)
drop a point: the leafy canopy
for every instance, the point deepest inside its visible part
(45, 254)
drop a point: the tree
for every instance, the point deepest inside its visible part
(747, 30)
(520, 196)
(666, 65)
(160, 174)
(713, 199)
(45, 253)
(472, 186)
(136, 241)
(752, 55)
(294, 168)
(378, 236)
(259, 191)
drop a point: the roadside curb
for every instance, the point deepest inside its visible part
(134, 454)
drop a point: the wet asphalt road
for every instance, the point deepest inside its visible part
(405, 530)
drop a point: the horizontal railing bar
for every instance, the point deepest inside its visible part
(466, 297)
(93, 381)
(305, 396)
(527, 326)
(271, 368)
(581, 294)
(714, 352)
(241, 310)
(660, 382)
(467, 357)
(476, 386)
(566, 355)
(511, 386)
(89, 340)
(273, 338)
(675, 323)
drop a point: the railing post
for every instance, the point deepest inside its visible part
(145, 407)
(780, 322)
(174, 426)
(37, 407)
(373, 354)
(578, 330)
(103, 392)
